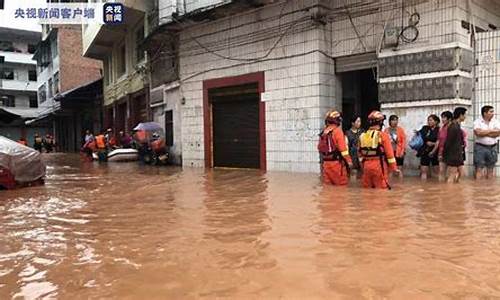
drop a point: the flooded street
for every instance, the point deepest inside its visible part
(127, 231)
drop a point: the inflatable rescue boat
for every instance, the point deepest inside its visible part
(120, 155)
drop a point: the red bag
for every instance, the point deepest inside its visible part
(326, 145)
(7, 180)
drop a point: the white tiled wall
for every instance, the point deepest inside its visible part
(292, 90)
(300, 89)
(413, 118)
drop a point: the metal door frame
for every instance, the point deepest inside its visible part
(207, 112)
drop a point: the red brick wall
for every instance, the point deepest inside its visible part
(74, 69)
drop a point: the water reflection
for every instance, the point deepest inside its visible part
(130, 231)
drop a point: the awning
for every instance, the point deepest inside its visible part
(87, 91)
(41, 118)
(356, 62)
(7, 116)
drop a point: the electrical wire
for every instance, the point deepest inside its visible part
(268, 52)
(354, 26)
(246, 39)
(251, 37)
(252, 62)
(301, 24)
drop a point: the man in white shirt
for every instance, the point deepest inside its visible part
(487, 132)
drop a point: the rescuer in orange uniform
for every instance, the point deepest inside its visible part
(101, 145)
(376, 152)
(334, 152)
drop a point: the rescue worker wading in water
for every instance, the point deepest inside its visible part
(334, 152)
(376, 152)
(101, 144)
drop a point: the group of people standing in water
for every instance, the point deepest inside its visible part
(40, 143)
(376, 152)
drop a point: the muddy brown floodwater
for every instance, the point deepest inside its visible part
(129, 232)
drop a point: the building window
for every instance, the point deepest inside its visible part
(169, 128)
(139, 38)
(7, 73)
(56, 83)
(122, 60)
(32, 75)
(107, 74)
(31, 48)
(8, 100)
(50, 88)
(7, 46)
(53, 47)
(42, 93)
(44, 56)
(1, 4)
(467, 25)
(33, 101)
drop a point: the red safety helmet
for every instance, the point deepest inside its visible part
(376, 116)
(334, 117)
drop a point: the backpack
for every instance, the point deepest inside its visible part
(326, 146)
(416, 142)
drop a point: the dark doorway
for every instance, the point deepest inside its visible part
(108, 118)
(139, 111)
(121, 116)
(235, 126)
(359, 95)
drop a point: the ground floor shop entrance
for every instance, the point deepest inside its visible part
(234, 122)
(236, 128)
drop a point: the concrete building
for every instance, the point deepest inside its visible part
(126, 90)
(269, 70)
(487, 76)
(18, 77)
(18, 82)
(61, 69)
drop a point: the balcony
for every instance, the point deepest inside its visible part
(18, 85)
(126, 85)
(98, 39)
(18, 58)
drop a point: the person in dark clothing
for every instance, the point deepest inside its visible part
(48, 143)
(124, 140)
(37, 142)
(454, 146)
(428, 152)
(353, 139)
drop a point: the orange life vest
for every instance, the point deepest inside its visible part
(100, 142)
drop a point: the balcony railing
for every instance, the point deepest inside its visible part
(18, 58)
(18, 85)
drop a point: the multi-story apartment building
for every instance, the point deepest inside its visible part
(255, 78)
(126, 91)
(18, 82)
(61, 69)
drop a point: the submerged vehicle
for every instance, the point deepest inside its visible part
(150, 138)
(19, 165)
